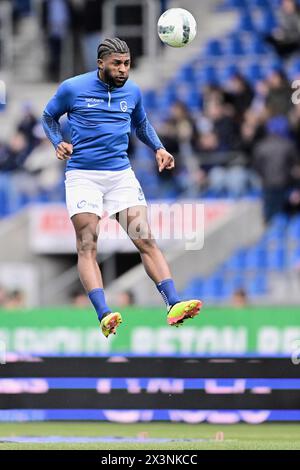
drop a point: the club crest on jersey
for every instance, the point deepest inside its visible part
(123, 106)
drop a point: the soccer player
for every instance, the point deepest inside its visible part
(102, 105)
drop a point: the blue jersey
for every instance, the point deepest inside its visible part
(100, 119)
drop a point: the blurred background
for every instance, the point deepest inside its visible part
(223, 106)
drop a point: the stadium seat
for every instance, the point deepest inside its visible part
(259, 3)
(213, 48)
(257, 286)
(149, 99)
(253, 72)
(294, 69)
(206, 75)
(276, 259)
(233, 45)
(245, 23)
(237, 261)
(235, 3)
(265, 21)
(256, 45)
(185, 74)
(256, 259)
(226, 72)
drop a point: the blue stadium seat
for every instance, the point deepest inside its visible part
(294, 69)
(226, 72)
(276, 259)
(265, 22)
(236, 282)
(279, 223)
(185, 74)
(257, 286)
(213, 48)
(256, 259)
(233, 45)
(235, 3)
(206, 75)
(213, 287)
(260, 4)
(237, 261)
(194, 289)
(245, 23)
(149, 99)
(253, 72)
(256, 45)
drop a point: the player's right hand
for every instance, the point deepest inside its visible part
(64, 151)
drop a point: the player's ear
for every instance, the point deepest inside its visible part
(100, 64)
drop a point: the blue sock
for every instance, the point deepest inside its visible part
(98, 300)
(168, 292)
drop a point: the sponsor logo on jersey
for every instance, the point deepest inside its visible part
(93, 102)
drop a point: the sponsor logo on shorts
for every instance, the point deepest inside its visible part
(81, 204)
(123, 106)
(84, 203)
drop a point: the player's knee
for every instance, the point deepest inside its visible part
(86, 243)
(146, 245)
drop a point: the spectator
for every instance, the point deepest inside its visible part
(92, 31)
(15, 300)
(125, 298)
(3, 296)
(240, 298)
(21, 9)
(275, 158)
(224, 126)
(27, 123)
(179, 134)
(13, 155)
(219, 151)
(279, 96)
(56, 23)
(286, 37)
(79, 298)
(42, 166)
(240, 94)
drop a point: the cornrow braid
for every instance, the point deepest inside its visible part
(110, 46)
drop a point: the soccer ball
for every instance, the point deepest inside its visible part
(177, 27)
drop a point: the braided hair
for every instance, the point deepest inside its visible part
(110, 46)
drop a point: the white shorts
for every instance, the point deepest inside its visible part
(102, 192)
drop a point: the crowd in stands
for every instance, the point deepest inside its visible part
(243, 141)
(29, 170)
(234, 122)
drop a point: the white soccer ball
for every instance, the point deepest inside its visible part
(177, 27)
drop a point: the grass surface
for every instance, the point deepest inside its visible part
(236, 437)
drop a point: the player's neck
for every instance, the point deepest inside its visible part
(102, 79)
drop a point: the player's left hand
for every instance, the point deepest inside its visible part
(164, 160)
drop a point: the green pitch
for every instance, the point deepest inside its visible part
(180, 436)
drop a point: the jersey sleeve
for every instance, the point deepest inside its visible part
(144, 130)
(59, 104)
(139, 113)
